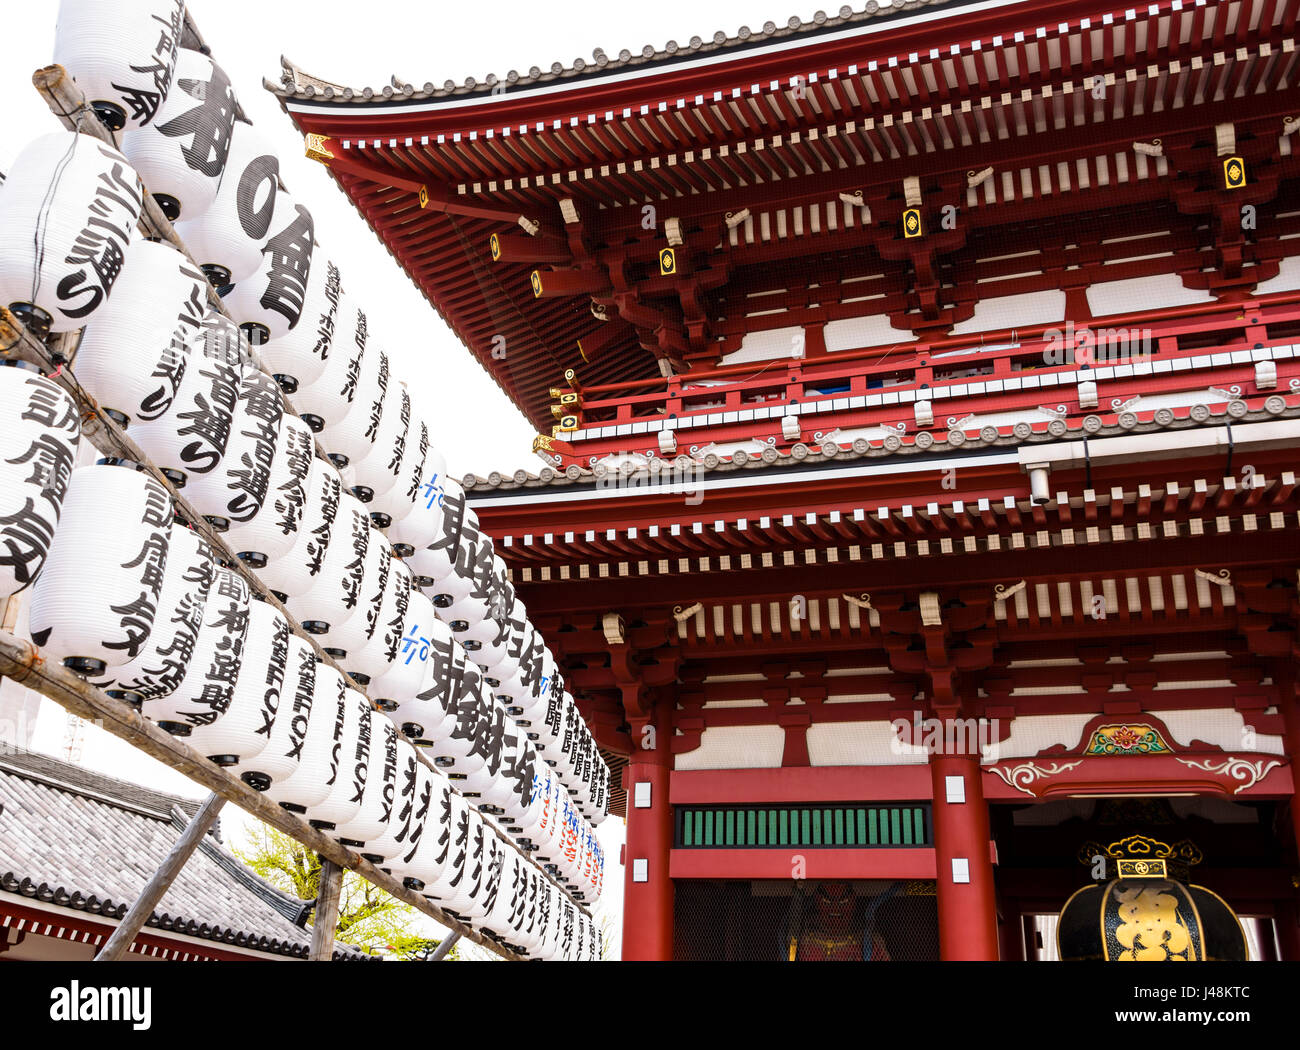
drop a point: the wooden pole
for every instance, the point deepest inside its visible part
(119, 943)
(444, 946)
(326, 922)
(21, 661)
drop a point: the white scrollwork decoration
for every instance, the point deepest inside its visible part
(1021, 776)
(1239, 769)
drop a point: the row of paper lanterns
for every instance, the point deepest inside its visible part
(360, 596)
(134, 599)
(221, 180)
(175, 374)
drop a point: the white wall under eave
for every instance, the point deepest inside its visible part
(1287, 279)
(771, 345)
(736, 747)
(1219, 727)
(1030, 734)
(860, 744)
(857, 333)
(1140, 294)
(1014, 311)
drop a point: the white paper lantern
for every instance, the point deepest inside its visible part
(533, 933)
(433, 852)
(387, 509)
(314, 741)
(295, 697)
(519, 767)
(417, 525)
(421, 716)
(404, 826)
(68, 208)
(505, 896)
(461, 893)
(365, 573)
(473, 734)
(227, 239)
(404, 679)
(274, 530)
(519, 682)
(531, 826)
(243, 730)
(208, 687)
(417, 812)
(270, 302)
(381, 650)
(444, 873)
(181, 153)
(469, 587)
(334, 593)
(121, 54)
(600, 799)
(94, 604)
(377, 749)
(160, 668)
(295, 571)
(354, 436)
(234, 492)
(381, 468)
(327, 399)
(496, 784)
(134, 350)
(550, 829)
(547, 922)
(481, 619)
(189, 439)
(436, 561)
(38, 445)
(387, 588)
(495, 733)
(347, 771)
(300, 356)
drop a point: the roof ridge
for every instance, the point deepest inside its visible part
(292, 908)
(295, 83)
(114, 791)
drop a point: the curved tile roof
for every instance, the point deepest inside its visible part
(297, 84)
(81, 840)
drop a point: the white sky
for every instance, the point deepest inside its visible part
(361, 44)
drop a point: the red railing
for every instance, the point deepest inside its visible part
(1161, 334)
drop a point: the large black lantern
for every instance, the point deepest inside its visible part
(1148, 912)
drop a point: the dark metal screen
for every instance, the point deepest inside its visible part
(804, 920)
(823, 825)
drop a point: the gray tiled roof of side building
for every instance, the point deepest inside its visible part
(81, 840)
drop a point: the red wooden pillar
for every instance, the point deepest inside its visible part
(647, 889)
(1287, 914)
(968, 921)
(1289, 706)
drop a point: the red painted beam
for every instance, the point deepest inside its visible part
(815, 863)
(801, 784)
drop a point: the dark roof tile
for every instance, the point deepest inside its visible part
(90, 843)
